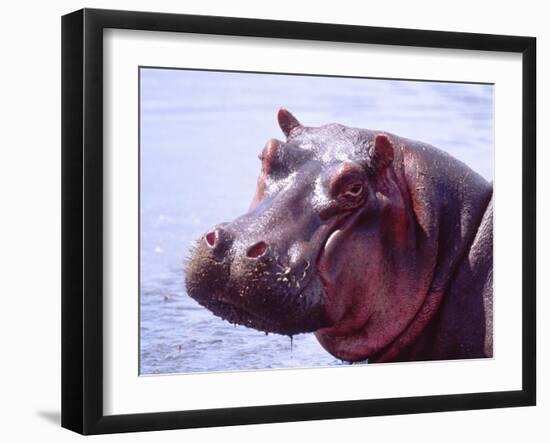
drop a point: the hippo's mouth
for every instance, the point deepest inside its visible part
(240, 316)
(301, 320)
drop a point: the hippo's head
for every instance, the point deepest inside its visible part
(352, 233)
(313, 253)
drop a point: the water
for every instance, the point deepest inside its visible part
(201, 133)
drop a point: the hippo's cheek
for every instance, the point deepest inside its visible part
(345, 266)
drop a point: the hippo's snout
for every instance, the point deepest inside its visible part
(247, 280)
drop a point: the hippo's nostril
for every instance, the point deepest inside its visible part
(257, 250)
(211, 238)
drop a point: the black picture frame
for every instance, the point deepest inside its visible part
(82, 218)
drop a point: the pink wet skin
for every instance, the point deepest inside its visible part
(351, 234)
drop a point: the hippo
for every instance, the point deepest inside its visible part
(379, 245)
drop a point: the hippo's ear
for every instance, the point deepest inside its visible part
(381, 153)
(287, 121)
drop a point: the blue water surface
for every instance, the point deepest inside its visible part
(201, 133)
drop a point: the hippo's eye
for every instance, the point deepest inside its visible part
(355, 190)
(347, 183)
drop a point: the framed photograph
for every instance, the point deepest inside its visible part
(269, 221)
